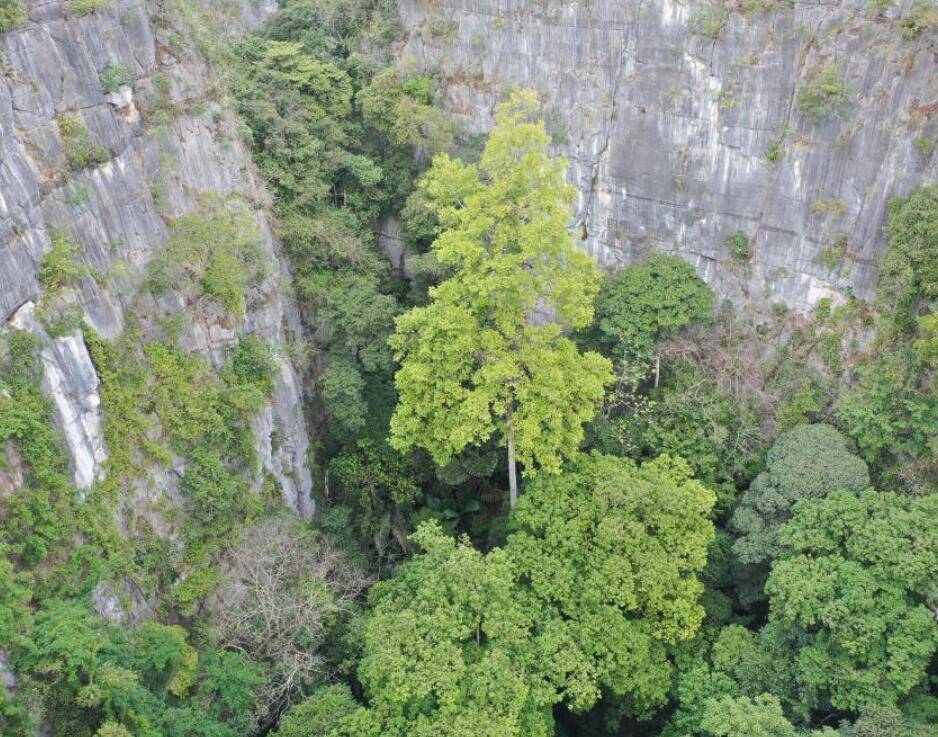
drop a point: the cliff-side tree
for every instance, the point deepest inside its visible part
(892, 408)
(644, 304)
(488, 355)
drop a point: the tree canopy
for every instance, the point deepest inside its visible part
(488, 356)
(648, 302)
(807, 462)
(612, 551)
(856, 588)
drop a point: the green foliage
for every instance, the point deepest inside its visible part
(921, 17)
(825, 95)
(380, 485)
(400, 106)
(80, 150)
(688, 416)
(74, 670)
(738, 243)
(709, 21)
(101, 679)
(192, 410)
(738, 667)
(775, 149)
(596, 582)
(807, 462)
(644, 304)
(800, 408)
(758, 717)
(61, 265)
(253, 365)
(216, 255)
(43, 518)
(832, 256)
(891, 406)
(477, 361)
(887, 721)
(448, 648)
(828, 207)
(334, 135)
(892, 413)
(925, 146)
(611, 554)
(336, 30)
(114, 77)
(12, 15)
(298, 112)
(216, 500)
(86, 7)
(322, 712)
(879, 7)
(357, 320)
(858, 597)
(908, 281)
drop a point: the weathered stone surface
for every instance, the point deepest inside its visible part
(69, 379)
(667, 129)
(117, 211)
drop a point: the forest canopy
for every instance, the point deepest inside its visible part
(552, 500)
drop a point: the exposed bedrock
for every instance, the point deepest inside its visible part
(671, 115)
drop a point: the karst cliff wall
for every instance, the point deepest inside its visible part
(683, 126)
(163, 145)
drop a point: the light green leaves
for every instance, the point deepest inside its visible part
(491, 341)
(611, 551)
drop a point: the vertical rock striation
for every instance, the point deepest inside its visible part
(158, 147)
(683, 127)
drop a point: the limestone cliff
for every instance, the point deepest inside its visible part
(109, 129)
(685, 130)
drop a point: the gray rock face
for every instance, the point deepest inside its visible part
(161, 147)
(667, 111)
(70, 380)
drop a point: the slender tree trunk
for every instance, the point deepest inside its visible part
(512, 476)
(657, 370)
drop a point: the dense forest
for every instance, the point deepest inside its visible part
(551, 499)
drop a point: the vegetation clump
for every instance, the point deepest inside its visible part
(114, 77)
(642, 305)
(738, 243)
(61, 265)
(218, 256)
(12, 15)
(489, 348)
(726, 524)
(825, 95)
(80, 150)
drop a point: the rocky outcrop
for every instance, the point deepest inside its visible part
(683, 127)
(154, 141)
(70, 380)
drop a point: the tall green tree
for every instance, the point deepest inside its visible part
(597, 582)
(488, 356)
(449, 648)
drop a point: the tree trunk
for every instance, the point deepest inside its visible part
(512, 476)
(657, 370)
